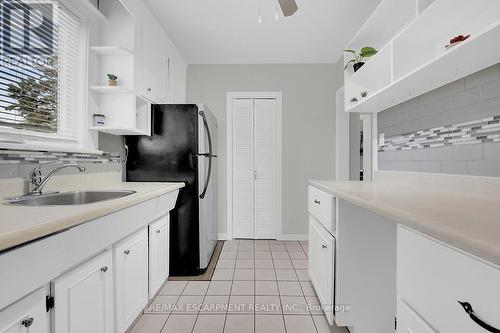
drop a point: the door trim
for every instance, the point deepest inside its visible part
(229, 160)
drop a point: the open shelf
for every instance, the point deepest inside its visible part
(110, 51)
(111, 90)
(446, 68)
(119, 130)
(416, 61)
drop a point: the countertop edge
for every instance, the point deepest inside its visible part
(428, 227)
(61, 224)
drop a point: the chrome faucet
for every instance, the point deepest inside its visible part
(38, 181)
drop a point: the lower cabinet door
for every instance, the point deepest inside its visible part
(409, 321)
(84, 298)
(131, 260)
(158, 254)
(27, 315)
(321, 265)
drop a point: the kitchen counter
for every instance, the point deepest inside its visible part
(21, 224)
(468, 220)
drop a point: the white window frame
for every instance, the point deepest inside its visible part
(24, 139)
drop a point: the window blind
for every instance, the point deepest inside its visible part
(39, 91)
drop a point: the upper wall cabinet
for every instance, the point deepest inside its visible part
(415, 55)
(156, 65)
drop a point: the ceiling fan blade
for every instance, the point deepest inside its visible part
(289, 7)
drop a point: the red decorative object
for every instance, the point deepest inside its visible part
(457, 39)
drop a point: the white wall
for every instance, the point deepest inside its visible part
(308, 124)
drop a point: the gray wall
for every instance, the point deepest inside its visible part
(308, 124)
(474, 97)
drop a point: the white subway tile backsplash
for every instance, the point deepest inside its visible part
(454, 167)
(484, 168)
(467, 152)
(482, 77)
(441, 153)
(492, 151)
(491, 90)
(430, 166)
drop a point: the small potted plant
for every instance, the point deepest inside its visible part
(357, 61)
(112, 80)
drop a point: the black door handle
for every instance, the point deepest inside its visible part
(468, 309)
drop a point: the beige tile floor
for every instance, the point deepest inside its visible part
(258, 286)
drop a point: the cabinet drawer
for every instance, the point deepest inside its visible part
(409, 321)
(321, 265)
(321, 206)
(433, 277)
(27, 315)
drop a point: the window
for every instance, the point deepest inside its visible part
(40, 76)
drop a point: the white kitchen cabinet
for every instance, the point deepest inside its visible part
(131, 278)
(409, 321)
(433, 277)
(322, 206)
(156, 67)
(321, 265)
(158, 254)
(84, 297)
(27, 315)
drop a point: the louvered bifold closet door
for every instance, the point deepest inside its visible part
(243, 206)
(264, 165)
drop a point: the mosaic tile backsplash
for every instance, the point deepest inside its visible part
(19, 163)
(33, 157)
(486, 130)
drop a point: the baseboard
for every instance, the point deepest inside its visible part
(223, 237)
(293, 237)
(283, 237)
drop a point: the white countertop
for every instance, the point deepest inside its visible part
(467, 220)
(21, 224)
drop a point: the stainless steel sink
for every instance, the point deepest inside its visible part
(70, 198)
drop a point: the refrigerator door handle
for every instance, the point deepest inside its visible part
(210, 154)
(207, 128)
(207, 180)
(207, 155)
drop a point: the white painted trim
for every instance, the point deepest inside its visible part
(366, 119)
(229, 156)
(293, 237)
(223, 237)
(342, 132)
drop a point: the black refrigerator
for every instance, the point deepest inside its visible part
(182, 148)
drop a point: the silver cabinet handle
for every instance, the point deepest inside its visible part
(324, 246)
(126, 252)
(158, 231)
(104, 269)
(317, 202)
(27, 322)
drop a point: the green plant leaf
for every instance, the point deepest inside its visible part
(367, 51)
(349, 50)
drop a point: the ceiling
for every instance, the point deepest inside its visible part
(227, 31)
